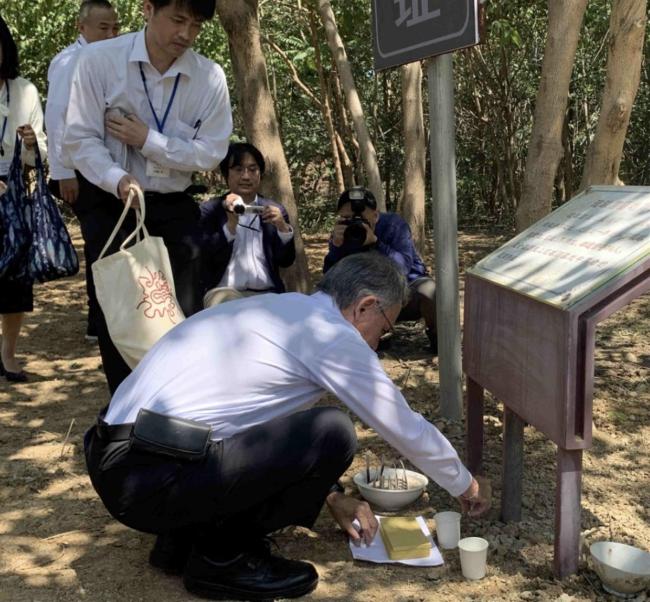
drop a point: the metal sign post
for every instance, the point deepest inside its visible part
(445, 221)
(410, 30)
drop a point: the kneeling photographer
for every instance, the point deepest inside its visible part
(361, 227)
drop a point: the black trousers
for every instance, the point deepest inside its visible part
(93, 308)
(174, 217)
(271, 476)
(422, 304)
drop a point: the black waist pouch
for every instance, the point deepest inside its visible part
(169, 436)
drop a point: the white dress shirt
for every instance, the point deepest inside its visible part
(59, 78)
(24, 108)
(195, 137)
(249, 361)
(247, 268)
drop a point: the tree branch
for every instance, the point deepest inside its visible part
(294, 73)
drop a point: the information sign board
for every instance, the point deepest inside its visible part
(575, 250)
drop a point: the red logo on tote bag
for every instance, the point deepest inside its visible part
(157, 300)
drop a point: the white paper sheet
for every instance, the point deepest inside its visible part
(376, 552)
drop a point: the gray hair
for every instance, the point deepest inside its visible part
(88, 5)
(364, 274)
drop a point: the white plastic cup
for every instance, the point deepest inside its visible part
(473, 557)
(447, 529)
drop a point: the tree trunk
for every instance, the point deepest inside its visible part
(368, 153)
(326, 105)
(545, 148)
(240, 21)
(346, 163)
(334, 83)
(627, 31)
(414, 152)
(349, 164)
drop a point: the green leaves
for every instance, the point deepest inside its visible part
(496, 87)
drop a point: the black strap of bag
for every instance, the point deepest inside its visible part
(170, 436)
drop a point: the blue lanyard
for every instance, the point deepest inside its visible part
(4, 123)
(160, 124)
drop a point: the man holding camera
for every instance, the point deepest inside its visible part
(361, 227)
(247, 238)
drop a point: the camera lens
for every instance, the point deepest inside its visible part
(238, 205)
(355, 233)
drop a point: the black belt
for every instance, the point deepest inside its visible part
(149, 194)
(167, 196)
(113, 432)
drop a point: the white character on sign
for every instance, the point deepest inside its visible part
(417, 13)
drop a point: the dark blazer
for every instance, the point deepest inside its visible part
(216, 250)
(394, 240)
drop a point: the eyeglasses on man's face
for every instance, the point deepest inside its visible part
(390, 327)
(240, 170)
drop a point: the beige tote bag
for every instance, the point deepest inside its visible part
(135, 288)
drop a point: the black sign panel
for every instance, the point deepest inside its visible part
(410, 30)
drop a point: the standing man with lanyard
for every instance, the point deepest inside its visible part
(97, 21)
(146, 111)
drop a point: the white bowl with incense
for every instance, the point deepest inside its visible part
(392, 488)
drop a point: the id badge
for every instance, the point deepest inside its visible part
(155, 170)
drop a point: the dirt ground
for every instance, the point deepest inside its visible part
(58, 543)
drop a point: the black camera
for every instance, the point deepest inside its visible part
(355, 232)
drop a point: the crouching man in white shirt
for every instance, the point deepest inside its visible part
(213, 441)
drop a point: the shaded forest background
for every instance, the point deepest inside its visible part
(496, 87)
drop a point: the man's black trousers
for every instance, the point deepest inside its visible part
(268, 477)
(174, 217)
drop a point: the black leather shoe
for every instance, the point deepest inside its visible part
(253, 575)
(170, 554)
(14, 377)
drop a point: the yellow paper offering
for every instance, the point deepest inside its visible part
(403, 538)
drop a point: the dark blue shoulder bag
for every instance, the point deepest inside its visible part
(51, 254)
(15, 232)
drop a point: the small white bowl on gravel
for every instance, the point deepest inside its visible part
(388, 498)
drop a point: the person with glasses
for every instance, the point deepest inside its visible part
(247, 375)
(361, 227)
(247, 237)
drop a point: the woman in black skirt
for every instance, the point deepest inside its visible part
(21, 112)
